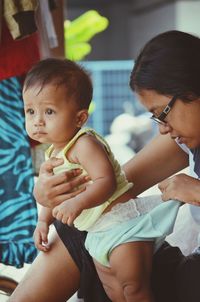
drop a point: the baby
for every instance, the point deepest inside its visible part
(57, 94)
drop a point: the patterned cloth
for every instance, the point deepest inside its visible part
(18, 213)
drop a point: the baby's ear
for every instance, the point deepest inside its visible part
(81, 117)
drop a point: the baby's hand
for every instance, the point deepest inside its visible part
(67, 211)
(41, 236)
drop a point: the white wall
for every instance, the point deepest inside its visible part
(188, 16)
(145, 25)
(181, 15)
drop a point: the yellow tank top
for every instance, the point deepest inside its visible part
(88, 217)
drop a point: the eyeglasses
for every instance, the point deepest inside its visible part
(161, 118)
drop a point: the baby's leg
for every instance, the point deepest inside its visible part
(110, 283)
(128, 279)
(132, 265)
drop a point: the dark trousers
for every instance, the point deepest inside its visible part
(175, 278)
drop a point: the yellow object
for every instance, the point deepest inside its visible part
(80, 31)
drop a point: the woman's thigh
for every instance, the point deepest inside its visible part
(175, 276)
(52, 277)
(165, 264)
(91, 288)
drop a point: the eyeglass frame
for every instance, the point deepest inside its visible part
(160, 119)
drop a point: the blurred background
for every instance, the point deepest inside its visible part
(131, 23)
(106, 37)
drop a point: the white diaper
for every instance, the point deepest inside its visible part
(122, 212)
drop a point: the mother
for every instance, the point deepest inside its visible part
(166, 79)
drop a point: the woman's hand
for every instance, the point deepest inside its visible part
(50, 190)
(181, 187)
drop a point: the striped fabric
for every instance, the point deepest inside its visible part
(18, 213)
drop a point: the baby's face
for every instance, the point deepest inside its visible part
(50, 117)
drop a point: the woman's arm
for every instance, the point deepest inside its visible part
(159, 159)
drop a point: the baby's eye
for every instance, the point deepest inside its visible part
(30, 111)
(50, 111)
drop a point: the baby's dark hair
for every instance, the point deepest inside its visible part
(170, 65)
(62, 72)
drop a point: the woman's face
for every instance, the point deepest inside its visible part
(182, 122)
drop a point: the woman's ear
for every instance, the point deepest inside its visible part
(81, 117)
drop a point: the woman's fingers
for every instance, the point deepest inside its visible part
(64, 177)
(71, 184)
(163, 185)
(51, 190)
(61, 192)
(181, 187)
(60, 198)
(47, 166)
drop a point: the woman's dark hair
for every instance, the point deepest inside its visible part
(62, 72)
(170, 65)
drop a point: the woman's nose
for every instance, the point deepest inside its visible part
(164, 129)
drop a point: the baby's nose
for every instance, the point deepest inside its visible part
(39, 121)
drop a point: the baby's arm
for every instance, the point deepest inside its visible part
(92, 156)
(40, 235)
